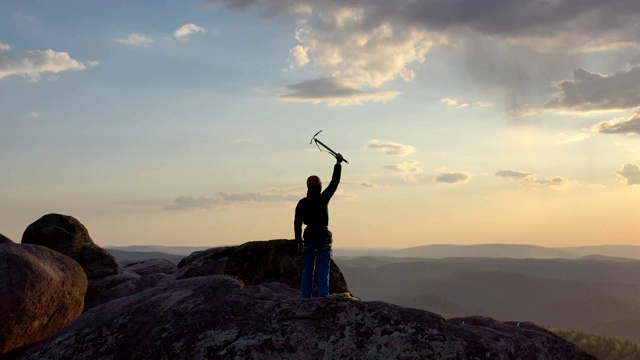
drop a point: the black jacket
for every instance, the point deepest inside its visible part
(313, 210)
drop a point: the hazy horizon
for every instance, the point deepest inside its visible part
(189, 122)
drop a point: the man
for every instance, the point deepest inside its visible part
(313, 211)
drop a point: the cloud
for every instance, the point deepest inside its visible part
(629, 126)
(408, 169)
(363, 183)
(589, 91)
(33, 114)
(514, 174)
(557, 25)
(299, 56)
(630, 174)
(187, 29)
(575, 138)
(449, 101)
(222, 199)
(483, 104)
(370, 43)
(92, 64)
(4, 47)
(371, 185)
(531, 179)
(136, 39)
(458, 105)
(34, 63)
(453, 177)
(454, 103)
(390, 147)
(333, 92)
(560, 183)
(355, 40)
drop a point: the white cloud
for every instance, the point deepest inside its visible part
(33, 114)
(4, 47)
(409, 169)
(187, 29)
(136, 39)
(629, 126)
(35, 62)
(390, 147)
(369, 184)
(514, 174)
(449, 101)
(299, 56)
(333, 92)
(558, 183)
(363, 183)
(630, 174)
(589, 91)
(222, 199)
(575, 138)
(453, 177)
(92, 64)
(483, 104)
(345, 43)
(458, 105)
(531, 180)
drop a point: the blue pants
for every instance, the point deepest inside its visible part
(317, 255)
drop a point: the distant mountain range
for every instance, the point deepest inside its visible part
(597, 295)
(439, 251)
(511, 251)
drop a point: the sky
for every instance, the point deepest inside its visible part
(189, 122)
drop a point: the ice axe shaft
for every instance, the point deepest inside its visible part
(329, 150)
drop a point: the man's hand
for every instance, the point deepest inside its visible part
(300, 247)
(339, 158)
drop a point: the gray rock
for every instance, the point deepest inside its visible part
(150, 266)
(68, 236)
(41, 292)
(216, 317)
(256, 262)
(133, 286)
(98, 287)
(5, 240)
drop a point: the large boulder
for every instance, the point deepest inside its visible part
(256, 262)
(99, 287)
(68, 236)
(41, 291)
(216, 317)
(5, 240)
(149, 266)
(127, 288)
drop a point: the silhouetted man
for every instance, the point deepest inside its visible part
(313, 211)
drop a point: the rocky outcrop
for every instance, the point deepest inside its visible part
(131, 278)
(68, 236)
(40, 292)
(216, 317)
(128, 288)
(5, 240)
(149, 267)
(256, 262)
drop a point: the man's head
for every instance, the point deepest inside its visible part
(314, 181)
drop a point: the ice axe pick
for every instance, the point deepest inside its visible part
(328, 149)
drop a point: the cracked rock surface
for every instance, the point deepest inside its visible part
(217, 317)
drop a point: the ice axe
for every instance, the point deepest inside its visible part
(319, 143)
